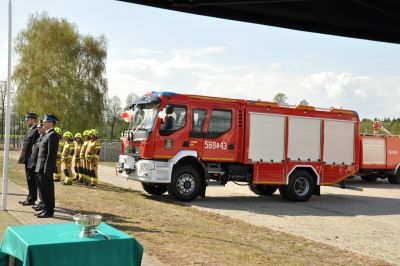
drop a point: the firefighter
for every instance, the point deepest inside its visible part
(57, 174)
(66, 157)
(83, 172)
(77, 154)
(92, 156)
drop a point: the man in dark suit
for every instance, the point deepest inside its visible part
(46, 166)
(29, 140)
(33, 160)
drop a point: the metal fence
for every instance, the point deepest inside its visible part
(15, 143)
(110, 149)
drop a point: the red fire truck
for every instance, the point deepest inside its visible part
(184, 143)
(380, 158)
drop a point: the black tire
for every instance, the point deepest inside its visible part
(282, 191)
(394, 179)
(251, 187)
(185, 183)
(300, 188)
(154, 189)
(263, 190)
(369, 178)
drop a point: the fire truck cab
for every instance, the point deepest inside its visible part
(184, 143)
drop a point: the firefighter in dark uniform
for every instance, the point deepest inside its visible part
(46, 166)
(33, 160)
(29, 140)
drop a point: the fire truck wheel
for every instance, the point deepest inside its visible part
(300, 188)
(263, 190)
(185, 183)
(369, 178)
(154, 189)
(394, 179)
(282, 191)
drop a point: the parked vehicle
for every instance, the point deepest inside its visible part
(184, 143)
(380, 158)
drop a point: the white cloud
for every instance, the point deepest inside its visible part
(197, 71)
(200, 52)
(144, 52)
(333, 84)
(360, 93)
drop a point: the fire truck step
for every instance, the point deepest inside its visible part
(212, 183)
(216, 172)
(343, 185)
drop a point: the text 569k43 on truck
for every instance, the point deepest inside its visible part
(184, 143)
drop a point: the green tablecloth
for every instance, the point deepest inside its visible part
(60, 244)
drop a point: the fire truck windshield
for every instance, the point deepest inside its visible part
(143, 118)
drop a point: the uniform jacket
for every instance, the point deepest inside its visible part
(47, 154)
(83, 149)
(93, 150)
(29, 140)
(68, 151)
(77, 152)
(34, 155)
(61, 144)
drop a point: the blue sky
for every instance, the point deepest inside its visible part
(154, 49)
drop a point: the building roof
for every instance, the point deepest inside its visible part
(365, 19)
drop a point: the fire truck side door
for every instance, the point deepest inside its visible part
(219, 138)
(172, 140)
(196, 134)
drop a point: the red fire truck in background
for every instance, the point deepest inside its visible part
(184, 143)
(380, 158)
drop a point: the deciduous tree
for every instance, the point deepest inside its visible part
(304, 102)
(280, 98)
(113, 113)
(60, 71)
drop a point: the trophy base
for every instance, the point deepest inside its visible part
(88, 231)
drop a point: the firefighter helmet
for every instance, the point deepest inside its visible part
(78, 135)
(93, 132)
(86, 133)
(67, 134)
(58, 130)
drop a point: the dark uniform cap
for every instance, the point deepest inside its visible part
(30, 115)
(51, 118)
(41, 124)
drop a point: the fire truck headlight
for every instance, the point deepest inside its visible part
(146, 166)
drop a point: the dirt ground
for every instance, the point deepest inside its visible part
(365, 222)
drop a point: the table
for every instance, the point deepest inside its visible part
(60, 244)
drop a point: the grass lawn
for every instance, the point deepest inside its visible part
(180, 235)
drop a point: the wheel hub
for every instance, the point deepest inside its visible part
(301, 186)
(186, 184)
